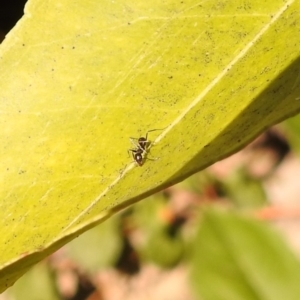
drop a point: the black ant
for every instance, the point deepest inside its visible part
(142, 148)
(137, 155)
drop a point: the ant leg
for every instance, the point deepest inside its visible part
(152, 144)
(132, 151)
(152, 158)
(134, 143)
(154, 130)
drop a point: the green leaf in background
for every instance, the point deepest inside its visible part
(162, 243)
(238, 258)
(79, 78)
(293, 129)
(37, 284)
(98, 248)
(244, 190)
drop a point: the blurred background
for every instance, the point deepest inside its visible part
(173, 244)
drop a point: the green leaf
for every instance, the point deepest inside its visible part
(244, 190)
(161, 242)
(80, 78)
(238, 258)
(98, 248)
(38, 283)
(292, 129)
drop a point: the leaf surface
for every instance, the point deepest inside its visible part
(80, 78)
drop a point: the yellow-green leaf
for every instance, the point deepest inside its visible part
(80, 78)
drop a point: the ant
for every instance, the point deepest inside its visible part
(142, 148)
